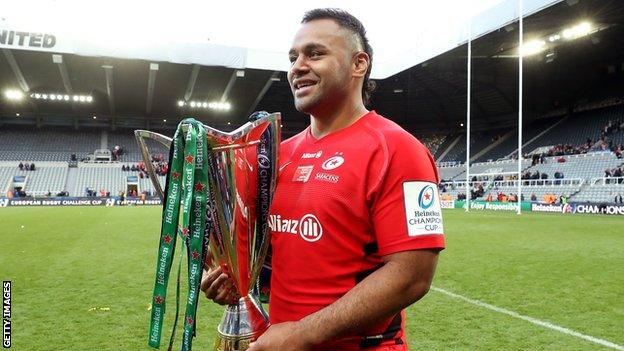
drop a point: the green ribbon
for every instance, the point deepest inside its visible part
(186, 197)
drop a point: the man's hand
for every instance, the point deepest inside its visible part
(218, 287)
(288, 336)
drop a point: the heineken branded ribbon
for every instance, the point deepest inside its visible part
(186, 202)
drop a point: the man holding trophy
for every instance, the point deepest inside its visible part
(355, 219)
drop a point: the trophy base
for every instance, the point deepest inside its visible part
(232, 345)
(241, 324)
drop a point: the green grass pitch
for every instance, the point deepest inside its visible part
(82, 280)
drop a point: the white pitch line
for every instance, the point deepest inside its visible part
(531, 319)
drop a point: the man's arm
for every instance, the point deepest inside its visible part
(402, 280)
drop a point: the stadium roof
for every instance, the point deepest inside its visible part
(247, 34)
(427, 92)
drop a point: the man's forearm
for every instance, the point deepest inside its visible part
(401, 281)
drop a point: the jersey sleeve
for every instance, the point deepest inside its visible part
(405, 212)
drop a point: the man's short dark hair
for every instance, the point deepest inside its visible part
(351, 23)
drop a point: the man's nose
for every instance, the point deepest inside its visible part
(299, 66)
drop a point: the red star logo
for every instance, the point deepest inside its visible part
(185, 232)
(175, 175)
(189, 320)
(167, 239)
(195, 255)
(427, 196)
(199, 186)
(189, 159)
(158, 300)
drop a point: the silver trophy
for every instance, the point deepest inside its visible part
(242, 173)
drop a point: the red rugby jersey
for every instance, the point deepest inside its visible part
(341, 203)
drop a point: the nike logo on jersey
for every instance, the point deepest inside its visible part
(284, 166)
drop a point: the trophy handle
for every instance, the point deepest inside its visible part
(140, 136)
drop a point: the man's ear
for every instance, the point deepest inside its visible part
(361, 62)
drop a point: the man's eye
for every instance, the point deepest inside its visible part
(314, 54)
(292, 59)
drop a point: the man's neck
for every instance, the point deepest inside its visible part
(336, 119)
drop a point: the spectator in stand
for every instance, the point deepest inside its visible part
(533, 197)
(21, 166)
(32, 166)
(607, 173)
(618, 173)
(558, 175)
(618, 198)
(549, 199)
(27, 166)
(117, 151)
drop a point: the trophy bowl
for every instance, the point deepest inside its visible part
(241, 174)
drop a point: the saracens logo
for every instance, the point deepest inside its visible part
(426, 197)
(333, 162)
(308, 227)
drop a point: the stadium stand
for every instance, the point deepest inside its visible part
(47, 177)
(432, 142)
(539, 188)
(49, 144)
(98, 177)
(603, 192)
(478, 142)
(581, 126)
(510, 144)
(128, 143)
(445, 145)
(584, 166)
(563, 162)
(498, 166)
(448, 173)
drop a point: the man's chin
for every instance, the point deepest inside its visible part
(304, 106)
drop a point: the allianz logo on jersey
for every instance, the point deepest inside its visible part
(312, 155)
(308, 227)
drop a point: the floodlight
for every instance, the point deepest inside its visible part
(532, 47)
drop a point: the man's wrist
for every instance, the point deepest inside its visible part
(311, 332)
